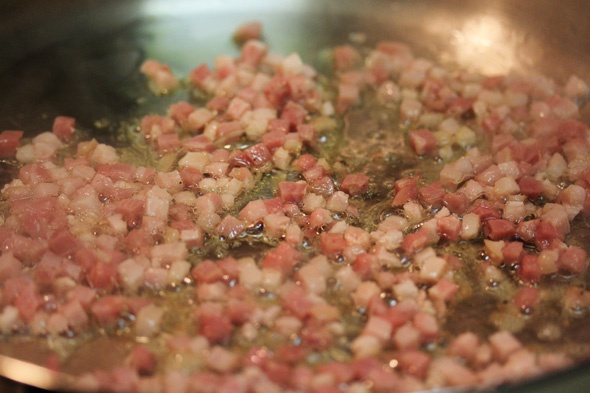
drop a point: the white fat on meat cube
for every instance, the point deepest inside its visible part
(433, 269)
(365, 346)
(313, 275)
(178, 271)
(104, 154)
(470, 226)
(250, 275)
(364, 292)
(406, 289)
(347, 278)
(198, 160)
(131, 273)
(157, 203)
(148, 320)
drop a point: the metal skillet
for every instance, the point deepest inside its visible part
(81, 59)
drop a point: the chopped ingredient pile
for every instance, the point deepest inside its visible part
(394, 226)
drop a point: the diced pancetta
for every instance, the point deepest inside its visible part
(91, 241)
(423, 142)
(161, 78)
(9, 142)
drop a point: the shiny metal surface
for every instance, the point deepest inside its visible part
(80, 58)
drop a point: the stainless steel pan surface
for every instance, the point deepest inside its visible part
(81, 59)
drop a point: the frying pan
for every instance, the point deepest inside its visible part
(80, 58)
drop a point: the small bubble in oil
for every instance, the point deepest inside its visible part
(525, 310)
